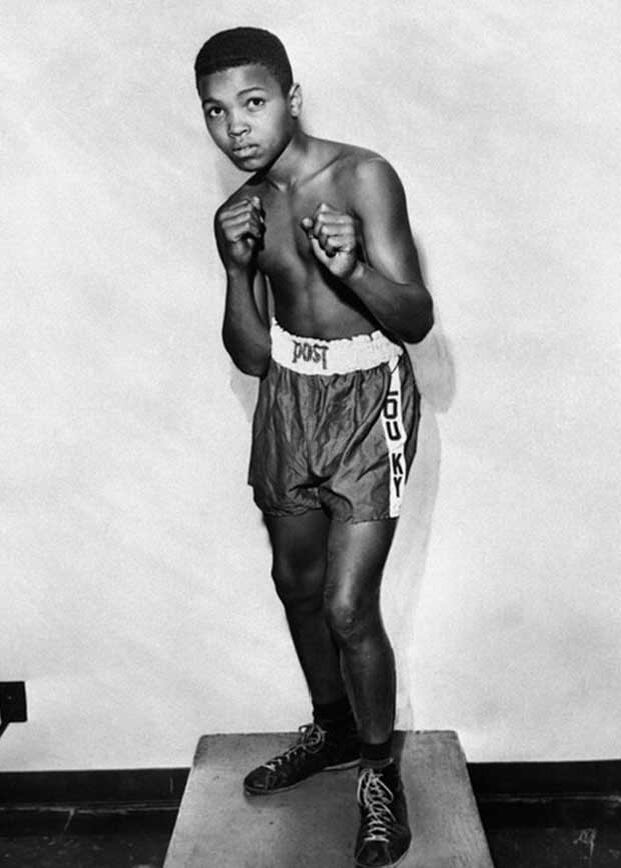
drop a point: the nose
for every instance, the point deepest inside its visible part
(237, 126)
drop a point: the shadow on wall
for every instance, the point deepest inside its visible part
(434, 369)
(245, 390)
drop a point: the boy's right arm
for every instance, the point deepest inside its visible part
(239, 229)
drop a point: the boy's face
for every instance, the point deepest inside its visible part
(247, 114)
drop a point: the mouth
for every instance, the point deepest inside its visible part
(243, 152)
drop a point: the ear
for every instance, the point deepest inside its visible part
(294, 98)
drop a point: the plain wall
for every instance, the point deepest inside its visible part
(137, 603)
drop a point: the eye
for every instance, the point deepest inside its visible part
(213, 112)
(255, 102)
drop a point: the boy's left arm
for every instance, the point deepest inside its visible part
(387, 277)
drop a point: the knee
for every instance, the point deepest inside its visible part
(298, 588)
(350, 620)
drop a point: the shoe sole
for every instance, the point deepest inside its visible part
(337, 768)
(388, 864)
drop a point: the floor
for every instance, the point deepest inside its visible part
(533, 847)
(136, 850)
(525, 847)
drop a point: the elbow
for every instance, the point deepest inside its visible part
(252, 368)
(419, 326)
(254, 363)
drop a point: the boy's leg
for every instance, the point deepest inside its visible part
(356, 556)
(299, 546)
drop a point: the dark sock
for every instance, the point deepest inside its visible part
(334, 715)
(376, 756)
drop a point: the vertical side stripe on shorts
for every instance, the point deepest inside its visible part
(394, 432)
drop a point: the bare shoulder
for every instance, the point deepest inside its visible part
(373, 173)
(366, 173)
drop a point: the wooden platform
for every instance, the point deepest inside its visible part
(315, 825)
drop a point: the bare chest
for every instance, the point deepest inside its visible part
(286, 246)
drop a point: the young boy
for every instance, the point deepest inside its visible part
(319, 235)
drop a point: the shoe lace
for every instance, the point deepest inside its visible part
(311, 739)
(374, 797)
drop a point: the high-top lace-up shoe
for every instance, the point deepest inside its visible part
(384, 836)
(316, 750)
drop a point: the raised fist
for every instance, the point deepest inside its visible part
(334, 239)
(240, 230)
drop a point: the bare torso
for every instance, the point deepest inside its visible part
(308, 300)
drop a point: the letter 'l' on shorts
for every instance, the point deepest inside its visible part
(335, 427)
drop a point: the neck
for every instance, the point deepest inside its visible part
(291, 165)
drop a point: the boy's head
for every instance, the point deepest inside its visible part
(249, 100)
(241, 46)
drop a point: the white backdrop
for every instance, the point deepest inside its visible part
(137, 603)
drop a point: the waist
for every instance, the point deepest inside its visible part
(340, 356)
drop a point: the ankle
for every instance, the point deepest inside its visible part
(334, 716)
(376, 756)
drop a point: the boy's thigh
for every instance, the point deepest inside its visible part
(299, 542)
(356, 555)
(342, 561)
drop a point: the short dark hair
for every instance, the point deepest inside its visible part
(242, 45)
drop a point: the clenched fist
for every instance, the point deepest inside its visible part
(334, 239)
(240, 228)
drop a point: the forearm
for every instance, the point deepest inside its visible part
(244, 332)
(404, 309)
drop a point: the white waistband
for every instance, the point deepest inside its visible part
(341, 356)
